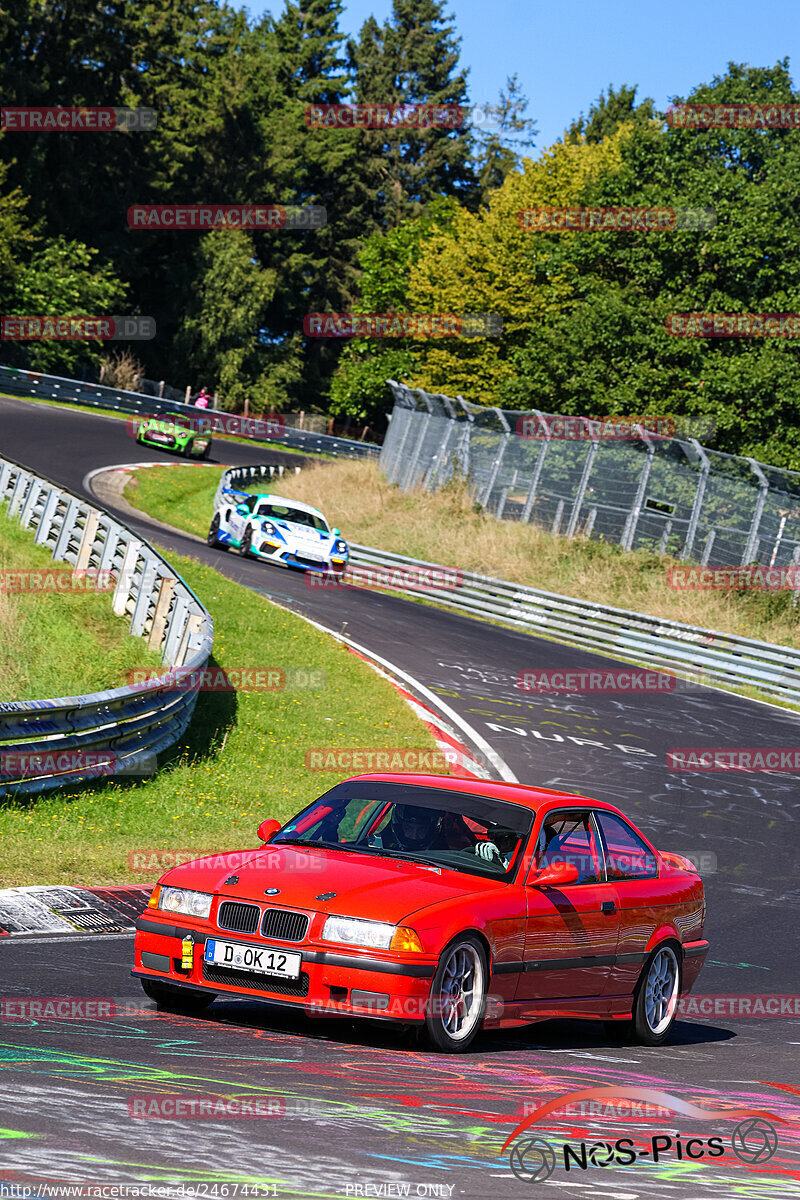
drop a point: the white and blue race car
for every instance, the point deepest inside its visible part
(278, 530)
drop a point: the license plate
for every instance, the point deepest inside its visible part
(266, 960)
(310, 554)
(159, 437)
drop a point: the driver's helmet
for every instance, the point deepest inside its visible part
(415, 828)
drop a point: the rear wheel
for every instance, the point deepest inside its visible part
(176, 999)
(213, 534)
(656, 1004)
(458, 995)
(207, 452)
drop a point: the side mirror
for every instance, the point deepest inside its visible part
(556, 875)
(243, 510)
(336, 532)
(268, 829)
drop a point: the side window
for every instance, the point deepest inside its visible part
(627, 857)
(568, 839)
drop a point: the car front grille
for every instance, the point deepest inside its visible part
(239, 918)
(255, 981)
(283, 925)
(309, 562)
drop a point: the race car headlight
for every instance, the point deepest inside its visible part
(268, 528)
(340, 548)
(179, 900)
(374, 934)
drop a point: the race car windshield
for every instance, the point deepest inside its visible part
(436, 827)
(280, 512)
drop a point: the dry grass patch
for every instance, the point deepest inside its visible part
(443, 527)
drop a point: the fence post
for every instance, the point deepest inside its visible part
(498, 459)
(629, 532)
(584, 483)
(87, 541)
(699, 496)
(407, 481)
(125, 582)
(166, 587)
(48, 516)
(751, 548)
(466, 437)
(527, 508)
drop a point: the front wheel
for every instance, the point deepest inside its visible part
(213, 534)
(457, 1001)
(176, 999)
(656, 1005)
(246, 544)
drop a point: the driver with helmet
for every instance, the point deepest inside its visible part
(415, 829)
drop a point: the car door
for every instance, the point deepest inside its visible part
(632, 870)
(571, 931)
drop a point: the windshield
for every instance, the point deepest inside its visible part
(436, 827)
(280, 512)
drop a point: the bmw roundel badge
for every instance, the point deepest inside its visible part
(271, 891)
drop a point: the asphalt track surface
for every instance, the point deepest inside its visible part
(358, 1109)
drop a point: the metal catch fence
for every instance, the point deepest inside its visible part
(669, 495)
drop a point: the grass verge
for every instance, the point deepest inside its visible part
(242, 759)
(443, 527)
(59, 644)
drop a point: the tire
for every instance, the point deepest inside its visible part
(246, 542)
(207, 452)
(656, 998)
(213, 534)
(463, 970)
(176, 999)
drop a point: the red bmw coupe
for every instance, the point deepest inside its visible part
(430, 899)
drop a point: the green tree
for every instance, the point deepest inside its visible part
(62, 279)
(358, 388)
(503, 132)
(219, 333)
(609, 112)
(413, 59)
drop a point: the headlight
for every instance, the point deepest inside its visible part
(374, 934)
(340, 548)
(268, 528)
(179, 900)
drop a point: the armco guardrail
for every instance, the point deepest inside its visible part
(94, 395)
(706, 656)
(131, 724)
(239, 478)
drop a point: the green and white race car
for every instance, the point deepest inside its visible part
(176, 434)
(274, 529)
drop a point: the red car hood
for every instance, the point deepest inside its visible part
(380, 889)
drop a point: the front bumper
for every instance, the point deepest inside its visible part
(332, 981)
